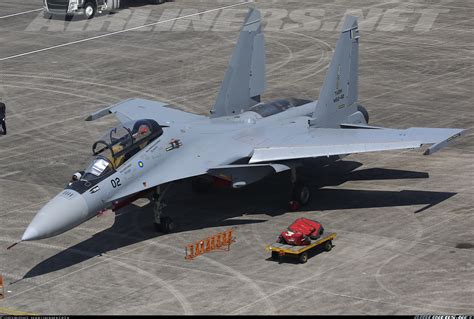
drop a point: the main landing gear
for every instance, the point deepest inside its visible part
(163, 224)
(300, 194)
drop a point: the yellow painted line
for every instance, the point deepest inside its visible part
(7, 311)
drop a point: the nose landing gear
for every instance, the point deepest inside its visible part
(163, 224)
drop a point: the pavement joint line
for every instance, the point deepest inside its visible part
(9, 174)
(17, 14)
(118, 32)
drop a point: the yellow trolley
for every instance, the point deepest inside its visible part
(279, 250)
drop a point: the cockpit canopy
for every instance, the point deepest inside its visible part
(119, 144)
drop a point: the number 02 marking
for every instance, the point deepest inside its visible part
(115, 182)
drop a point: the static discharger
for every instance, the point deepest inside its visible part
(2, 288)
(218, 242)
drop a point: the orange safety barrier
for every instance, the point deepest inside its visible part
(2, 289)
(220, 241)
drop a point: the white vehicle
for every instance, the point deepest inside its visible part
(87, 8)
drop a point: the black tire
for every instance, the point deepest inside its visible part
(166, 225)
(328, 245)
(302, 194)
(90, 10)
(303, 257)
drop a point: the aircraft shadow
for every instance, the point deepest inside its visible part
(223, 207)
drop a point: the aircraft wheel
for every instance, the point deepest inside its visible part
(301, 194)
(166, 225)
(89, 10)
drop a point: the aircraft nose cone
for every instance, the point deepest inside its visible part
(30, 234)
(65, 211)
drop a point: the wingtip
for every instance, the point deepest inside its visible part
(438, 146)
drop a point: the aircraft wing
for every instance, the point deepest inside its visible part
(136, 109)
(317, 142)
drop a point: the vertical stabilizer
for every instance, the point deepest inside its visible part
(339, 93)
(244, 79)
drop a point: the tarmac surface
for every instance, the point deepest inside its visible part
(404, 221)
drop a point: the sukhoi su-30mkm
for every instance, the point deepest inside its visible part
(242, 141)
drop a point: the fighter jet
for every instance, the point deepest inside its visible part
(242, 141)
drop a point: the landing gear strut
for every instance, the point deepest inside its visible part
(300, 194)
(163, 224)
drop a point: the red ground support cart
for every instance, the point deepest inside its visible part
(279, 250)
(300, 237)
